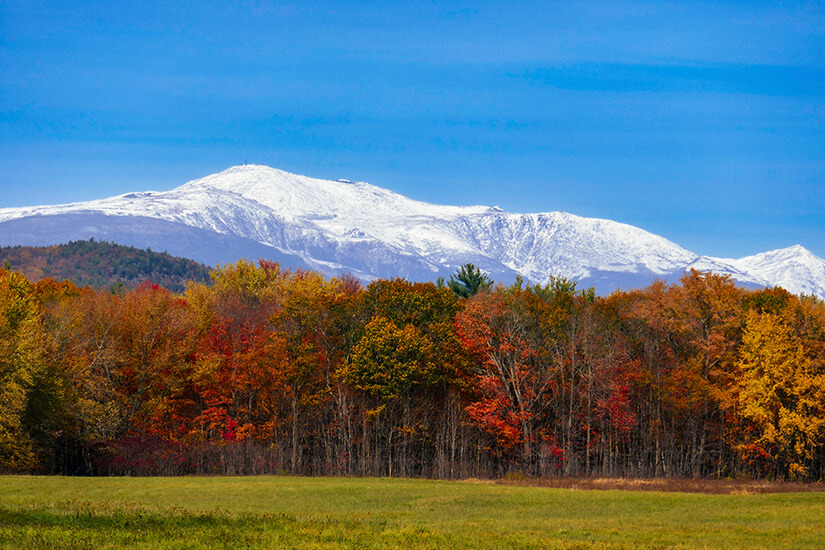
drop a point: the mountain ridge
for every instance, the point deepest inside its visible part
(344, 226)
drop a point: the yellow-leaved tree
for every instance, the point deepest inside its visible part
(21, 364)
(782, 394)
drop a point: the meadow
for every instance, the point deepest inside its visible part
(335, 512)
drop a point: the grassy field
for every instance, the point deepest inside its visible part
(287, 512)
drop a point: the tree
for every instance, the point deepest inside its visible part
(511, 335)
(403, 370)
(301, 336)
(154, 338)
(389, 360)
(21, 369)
(50, 408)
(704, 317)
(782, 394)
(235, 367)
(469, 281)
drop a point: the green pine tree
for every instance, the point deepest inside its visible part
(469, 281)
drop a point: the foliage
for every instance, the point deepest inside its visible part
(509, 335)
(266, 370)
(388, 361)
(21, 371)
(782, 394)
(100, 264)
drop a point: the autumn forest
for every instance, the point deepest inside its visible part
(266, 370)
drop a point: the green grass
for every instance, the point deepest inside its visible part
(286, 512)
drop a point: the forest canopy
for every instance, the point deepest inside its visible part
(270, 370)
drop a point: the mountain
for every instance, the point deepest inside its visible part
(345, 226)
(794, 269)
(102, 264)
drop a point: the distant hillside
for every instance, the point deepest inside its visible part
(102, 264)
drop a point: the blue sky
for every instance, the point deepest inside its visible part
(703, 122)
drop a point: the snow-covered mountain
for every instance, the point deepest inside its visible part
(344, 226)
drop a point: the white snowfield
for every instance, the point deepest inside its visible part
(344, 226)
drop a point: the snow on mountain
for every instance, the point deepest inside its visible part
(344, 226)
(795, 269)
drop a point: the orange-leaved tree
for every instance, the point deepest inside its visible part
(511, 334)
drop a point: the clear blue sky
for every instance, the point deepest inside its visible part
(703, 122)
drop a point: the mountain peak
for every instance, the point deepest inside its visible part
(797, 250)
(293, 195)
(794, 268)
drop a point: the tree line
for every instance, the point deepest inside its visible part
(270, 370)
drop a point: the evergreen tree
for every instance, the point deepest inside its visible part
(469, 281)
